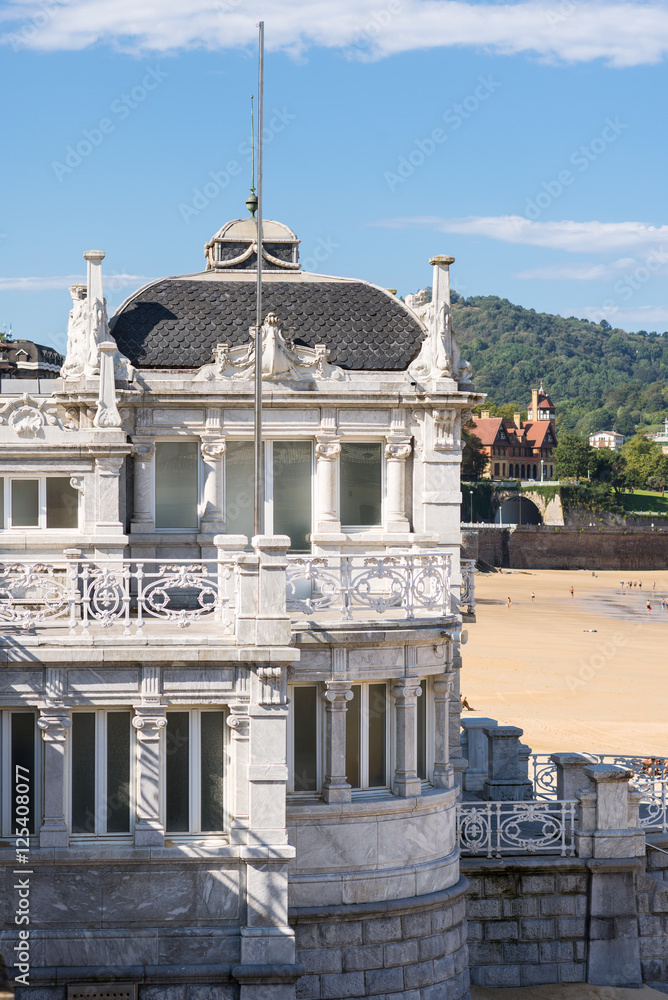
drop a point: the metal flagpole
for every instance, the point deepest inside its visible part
(258, 519)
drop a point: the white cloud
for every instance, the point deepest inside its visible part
(57, 282)
(575, 237)
(621, 33)
(639, 318)
(585, 272)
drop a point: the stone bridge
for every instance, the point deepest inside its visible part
(512, 506)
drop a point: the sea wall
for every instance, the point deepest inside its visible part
(550, 547)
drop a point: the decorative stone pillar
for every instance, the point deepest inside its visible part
(396, 453)
(505, 781)
(406, 693)
(443, 772)
(615, 833)
(273, 627)
(571, 777)
(455, 710)
(213, 450)
(149, 721)
(107, 415)
(142, 514)
(239, 723)
(54, 723)
(108, 474)
(335, 787)
(474, 747)
(327, 451)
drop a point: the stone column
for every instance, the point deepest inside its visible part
(474, 748)
(443, 771)
(504, 781)
(142, 514)
(613, 835)
(406, 693)
(396, 453)
(54, 723)
(239, 723)
(327, 450)
(213, 450)
(455, 711)
(335, 787)
(149, 721)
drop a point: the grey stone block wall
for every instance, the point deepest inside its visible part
(652, 896)
(399, 950)
(527, 921)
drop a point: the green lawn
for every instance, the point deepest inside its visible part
(643, 501)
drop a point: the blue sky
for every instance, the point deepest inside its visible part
(528, 140)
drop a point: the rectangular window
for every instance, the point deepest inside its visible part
(176, 484)
(48, 502)
(366, 736)
(361, 484)
(101, 752)
(422, 732)
(305, 737)
(194, 772)
(239, 466)
(19, 778)
(291, 493)
(25, 503)
(62, 503)
(288, 469)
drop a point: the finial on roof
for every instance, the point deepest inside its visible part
(251, 200)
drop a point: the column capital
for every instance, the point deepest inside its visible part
(213, 448)
(327, 448)
(398, 451)
(443, 684)
(143, 450)
(149, 722)
(406, 689)
(54, 724)
(337, 694)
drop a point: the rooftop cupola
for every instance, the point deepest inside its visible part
(234, 247)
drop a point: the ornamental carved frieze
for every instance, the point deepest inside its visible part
(29, 417)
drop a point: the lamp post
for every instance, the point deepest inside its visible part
(471, 495)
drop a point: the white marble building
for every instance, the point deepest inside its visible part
(241, 756)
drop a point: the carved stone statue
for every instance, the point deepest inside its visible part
(75, 359)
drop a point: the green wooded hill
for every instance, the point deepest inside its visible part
(598, 377)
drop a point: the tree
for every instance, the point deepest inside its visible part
(644, 460)
(574, 457)
(474, 460)
(609, 467)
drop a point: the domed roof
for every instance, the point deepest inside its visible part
(177, 322)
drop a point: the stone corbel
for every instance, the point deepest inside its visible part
(77, 483)
(445, 430)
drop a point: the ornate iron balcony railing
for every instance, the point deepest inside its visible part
(413, 584)
(111, 592)
(496, 828)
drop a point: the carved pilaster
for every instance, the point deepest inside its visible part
(271, 685)
(149, 722)
(335, 787)
(54, 722)
(406, 693)
(239, 723)
(396, 453)
(327, 450)
(442, 687)
(213, 451)
(142, 517)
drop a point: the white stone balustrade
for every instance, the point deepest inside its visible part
(475, 750)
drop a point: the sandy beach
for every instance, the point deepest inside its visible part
(539, 666)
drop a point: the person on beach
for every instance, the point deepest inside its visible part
(572, 591)
(533, 597)
(507, 602)
(649, 607)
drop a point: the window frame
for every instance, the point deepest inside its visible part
(364, 789)
(268, 449)
(6, 777)
(101, 777)
(357, 528)
(178, 439)
(41, 479)
(320, 749)
(194, 832)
